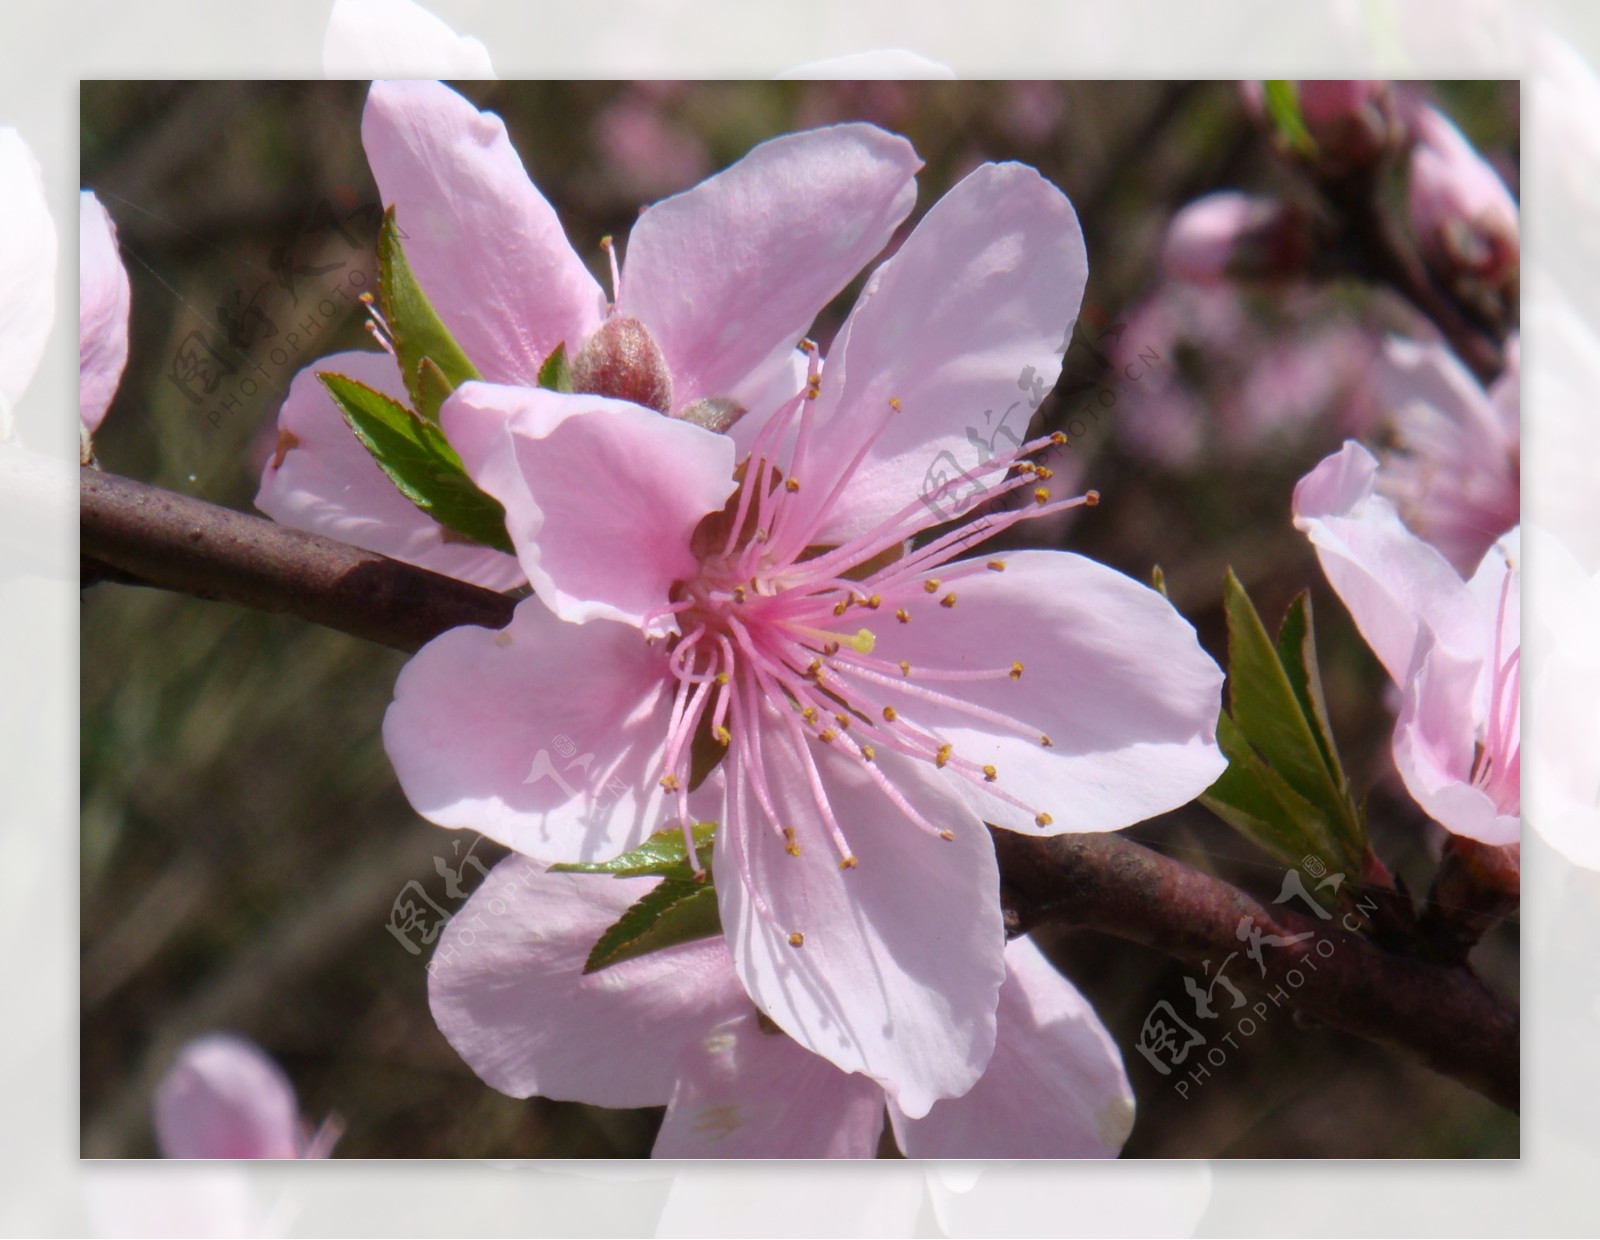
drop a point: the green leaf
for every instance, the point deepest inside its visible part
(663, 854)
(419, 335)
(672, 912)
(419, 461)
(1283, 109)
(1276, 701)
(556, 373)
(1158, 579)
(1256, 802)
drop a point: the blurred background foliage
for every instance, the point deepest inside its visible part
(243, 836)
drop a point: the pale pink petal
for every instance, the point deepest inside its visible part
(27, 270)
(601, 496)
(1434, 748)
(103, 300)
(1111, 674)
(900, 958)
(887, 64)
(322, 480)
(397, 39)
(971, 310)
(1054, 1089)
(545, 736)
(485, 245)
(729, 275)
(508, 991)
(745, 1090)
(224, 1098)
(1395, 585)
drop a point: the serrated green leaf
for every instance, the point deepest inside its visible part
(672, 912)
(415, 328)
(1283, 109)
(556, 373)
(1255, 801)
(419, 461)
(664, 854)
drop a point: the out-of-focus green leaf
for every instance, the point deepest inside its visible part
(1283, 109)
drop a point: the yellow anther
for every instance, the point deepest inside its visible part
(1058, 439)
(1041, 495)
(722, 735)
(868, 752)
(809, 714)
(875, 602)
(830, 649)
(722, 678)
(791, 485)
(997, 566)
(947, 835)
(842, 720)
(902, 616)
(894, 403)
(949, 600)
(605, 242)
(738, 594)
(808, 345)
(1016, 671)
(931, 585)
(1091, 498)
(849, 863)
(890, 714)
(790, 846)
(827, 734)
(842, 606)
(1047, 742)
(905, 667)
(796, 939)
(1044, 820)
(1027, 468)
(1045, 472)
(669, 782)
(943, 756)
(990, 774)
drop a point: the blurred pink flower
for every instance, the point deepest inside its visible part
(1352, 122)
(1455, 468)
(876, 704)
(397, 39)
(717, 287)
(651, 154)
(1453, 647)
(224, 1098)
(1233, 234)
(675, 1028)
(1464, 216)
(103, 300)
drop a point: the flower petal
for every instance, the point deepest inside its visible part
(901, 957)
(1111, 674)
(545, 736)
(321, 479)
(485, 245)
(508, 991)
(748, 1091)
(27, 269)
(1395, 585)
(601, 496)
(224, 1098)
(1055, 1088)
(729, 275)
(397, 39)
(103, 300)
(971, 310)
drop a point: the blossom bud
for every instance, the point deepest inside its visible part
(623, 361)
(1233, 234)
(1465, 219)
(1352, 122)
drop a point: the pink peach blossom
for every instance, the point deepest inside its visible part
(874, 701)
(1463, 214)
(1453, 647)
(676, 1028)
(103, 303)
(224, 1098)
(716, 288)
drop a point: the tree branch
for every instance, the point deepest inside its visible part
(1443, 1015)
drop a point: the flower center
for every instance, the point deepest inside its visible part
(775, 618)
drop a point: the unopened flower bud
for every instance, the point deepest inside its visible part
(1465, 219)
(1232, 234)
(1352, 122)
(623, 361)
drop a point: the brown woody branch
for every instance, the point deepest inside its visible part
(136, 534)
